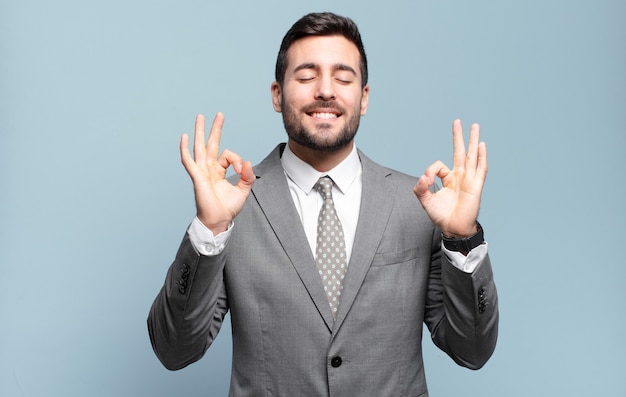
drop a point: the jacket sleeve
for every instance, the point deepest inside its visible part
(462, 309)
(189, 310)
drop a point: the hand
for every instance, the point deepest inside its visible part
(454, 208)
(217, 201)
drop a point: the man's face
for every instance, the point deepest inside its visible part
(321, 98)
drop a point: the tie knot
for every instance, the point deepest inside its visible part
(324, 186)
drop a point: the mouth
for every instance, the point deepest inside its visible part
(323, 111)
(326, 115)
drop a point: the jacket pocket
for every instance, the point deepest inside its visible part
(395, 257)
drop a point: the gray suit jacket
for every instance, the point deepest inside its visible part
(285, 341)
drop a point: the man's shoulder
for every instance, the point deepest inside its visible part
(390, 174)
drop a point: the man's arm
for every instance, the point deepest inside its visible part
(188, 312)
(462, 309)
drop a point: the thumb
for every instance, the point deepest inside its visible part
(247, 177)
(421, 189)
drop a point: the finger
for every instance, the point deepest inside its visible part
(199, 152)
(436, 169)
(472, 147)
(213, 143)
(184, 148)
(185, 155)
(481, 169)
(458, 144)
(228, 158)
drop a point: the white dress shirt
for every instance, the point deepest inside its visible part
(301, 178)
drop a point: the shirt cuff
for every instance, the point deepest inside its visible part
(466, 263)
(203, 240)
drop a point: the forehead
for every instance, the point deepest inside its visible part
(323, 51)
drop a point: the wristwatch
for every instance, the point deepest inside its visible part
(466, 244)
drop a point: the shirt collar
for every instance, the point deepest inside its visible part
(305, 176)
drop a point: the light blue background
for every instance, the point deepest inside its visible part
(93, 200)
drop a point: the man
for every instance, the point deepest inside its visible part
(343, 322)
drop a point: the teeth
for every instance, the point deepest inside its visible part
(324, 115)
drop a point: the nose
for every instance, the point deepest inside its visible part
(324, 89)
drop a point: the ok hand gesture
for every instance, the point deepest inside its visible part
(454, 208)
(217, 201)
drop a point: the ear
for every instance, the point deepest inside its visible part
(276, 97)
(364, 99)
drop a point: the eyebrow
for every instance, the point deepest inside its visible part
(337, 66)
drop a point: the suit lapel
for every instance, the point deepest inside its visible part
(377, 201)
(272, 194)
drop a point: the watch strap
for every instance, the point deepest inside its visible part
(466, 244)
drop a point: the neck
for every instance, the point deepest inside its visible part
(320, 160)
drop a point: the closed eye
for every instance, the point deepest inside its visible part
(344, 79)
(344, 73)
(305, 79)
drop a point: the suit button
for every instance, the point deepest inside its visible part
(336, 362)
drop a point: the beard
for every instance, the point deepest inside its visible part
(321, 140)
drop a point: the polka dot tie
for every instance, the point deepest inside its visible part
(331, 247)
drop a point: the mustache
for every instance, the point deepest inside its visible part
(322, 105)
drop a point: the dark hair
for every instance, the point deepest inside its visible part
(320, 24)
